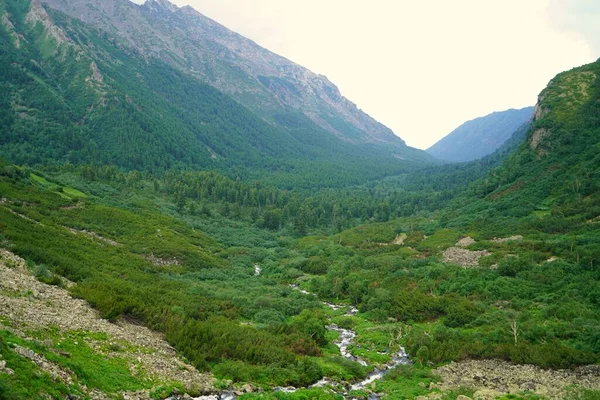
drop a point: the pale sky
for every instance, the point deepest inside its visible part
(423, 67)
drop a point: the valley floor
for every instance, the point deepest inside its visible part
(41, 323)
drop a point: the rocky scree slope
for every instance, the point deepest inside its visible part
(29, 308)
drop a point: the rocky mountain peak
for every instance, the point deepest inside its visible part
(160, 5)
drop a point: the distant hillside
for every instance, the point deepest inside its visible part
(552, 181)
(273, 87)
(73, 93)
(480, 137)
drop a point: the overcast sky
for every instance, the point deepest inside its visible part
(423, 67)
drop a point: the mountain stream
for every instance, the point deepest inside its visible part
(345, 340)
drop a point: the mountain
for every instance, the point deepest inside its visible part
(480, 137)
(161, 238)
(159, 200)
(551, 180)
(502, 282)
(74, 93)
(279, 90)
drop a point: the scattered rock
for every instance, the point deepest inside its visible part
(400, 239)
(57, 373)
(490, 379)
(465, 242)
(162, 262)
(37, 13)
(92, 235)
(528, 386)
(464, 257)
(52, 306)
(508, 239)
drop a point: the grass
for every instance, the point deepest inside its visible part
(28, 381)
(406, 382)
(71, 351)
(441, 239)
(303, 394)
(63, 191)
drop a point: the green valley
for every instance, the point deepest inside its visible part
(160, 239)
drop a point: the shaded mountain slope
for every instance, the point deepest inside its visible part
(74, 94)
(266, 83)
(480, 137)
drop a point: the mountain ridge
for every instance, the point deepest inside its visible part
(479, 137)
(141, 113)
(258, 78)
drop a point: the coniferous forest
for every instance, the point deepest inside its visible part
(252, 246)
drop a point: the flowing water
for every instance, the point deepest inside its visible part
(345, 340)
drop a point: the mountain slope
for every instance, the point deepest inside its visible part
(480, 137)
(266, 83)
(551, 183)
(74, 94)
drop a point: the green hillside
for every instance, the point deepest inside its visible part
(73, 94)
(480, 137)
(252, 249)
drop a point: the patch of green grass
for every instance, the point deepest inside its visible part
(576, 393)
(406, 382)
(440, 240)
(28, 381)
(71, 351)
(340, 368)
(63, 191)
(303, 394)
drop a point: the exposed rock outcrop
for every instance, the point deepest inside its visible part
(466, 242)
(514, 238)
(38, 14)
(464, 257)
(261, 80)
(8, 25)
(490, 379)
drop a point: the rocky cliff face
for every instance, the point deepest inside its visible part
(261, 80)
(558, 103)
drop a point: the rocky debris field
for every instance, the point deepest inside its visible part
(465, 242)
(514, 238)
(490, 379)
(30, 305)
(463, 257)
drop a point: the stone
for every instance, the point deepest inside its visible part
(247, 388)
(464, 242)
(462, 397)
(530, 386)
(464, 257)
